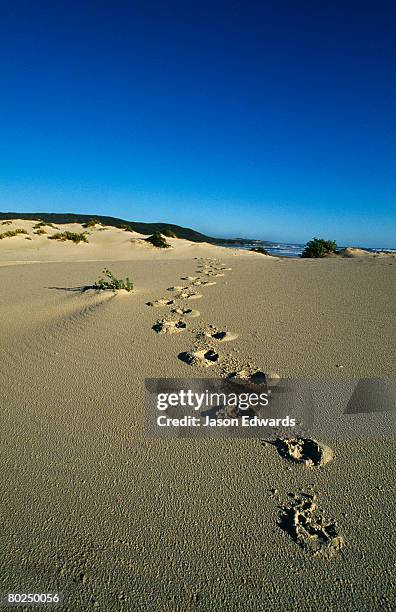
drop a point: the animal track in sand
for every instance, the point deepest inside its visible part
(303, 450)
(161, 303)
(186, 312)
(208, 283)
(202, 358)
(169, 327)
(306, 525)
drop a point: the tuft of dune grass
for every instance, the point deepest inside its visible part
(12, 233)
(72, 236)
(91, 223)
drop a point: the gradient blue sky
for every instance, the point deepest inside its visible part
(273, 120)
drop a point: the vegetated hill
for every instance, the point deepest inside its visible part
(141, 228)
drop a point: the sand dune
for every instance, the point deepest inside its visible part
(354, 252)
(115, 520)
(104, 243)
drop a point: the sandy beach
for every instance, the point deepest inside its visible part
(95, 509)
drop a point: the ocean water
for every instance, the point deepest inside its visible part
(292, 249)
(275, 248)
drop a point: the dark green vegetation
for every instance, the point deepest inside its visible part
(261, 250)
(141, 228)
(40, 231)
(73, 236)
(127, 228)
(92, 223)
(110, 282)
(41, 223)
(12, 233)
(158, 240)
(168, 233)
(318, 247)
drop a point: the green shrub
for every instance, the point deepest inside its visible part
(168, 233)
(318, 247)
(7, 222)
(40, 231)
(92, 223)
(12, 233)
(43, 224)
(261, 250)
(112, 283)
(127, 228)
(158, 241)
(73, 236)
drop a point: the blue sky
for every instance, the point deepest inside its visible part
(258, 119)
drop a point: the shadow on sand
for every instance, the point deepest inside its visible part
(80, 289)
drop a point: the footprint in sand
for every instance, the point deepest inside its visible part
(189, 296)
(208, 283)
(214, 274)
(222, 336)
(303, 450)
(306, 525)
(189, 278)
(186, 312)
(203, 358)
(161, 303)
(169, 327)
(177, 288)
(255, 378)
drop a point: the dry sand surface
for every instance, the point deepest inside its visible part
(95, 509)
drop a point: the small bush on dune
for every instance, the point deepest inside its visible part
(73, 236)
(318, 247)
(41, 223)
(12, 233)
(110, 282)
(92, 223)
(40, 231)
(168, 233)
(7, 222)
(127, 228)
(158, 241)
